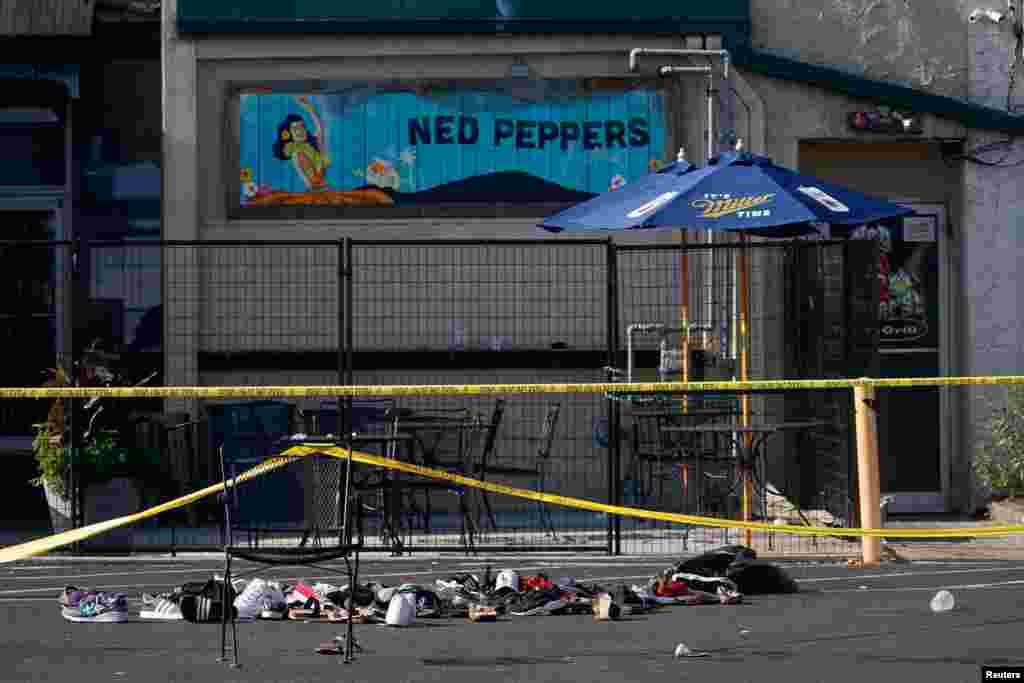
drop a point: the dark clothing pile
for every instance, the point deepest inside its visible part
(740, 565)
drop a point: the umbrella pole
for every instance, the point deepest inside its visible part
(684, 309)
(684, 315)
(744, 295)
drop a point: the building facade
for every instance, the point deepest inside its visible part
(80, 134)
(438, 120)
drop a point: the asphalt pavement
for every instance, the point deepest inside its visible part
(846, 624)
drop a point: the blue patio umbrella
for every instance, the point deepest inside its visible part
(734, 192)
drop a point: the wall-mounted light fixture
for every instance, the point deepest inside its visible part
(519, 69)
(886, 121)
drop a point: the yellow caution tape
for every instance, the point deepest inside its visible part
(43, 545)
(582, 504)
(492, 389)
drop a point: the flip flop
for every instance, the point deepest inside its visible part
(339, 615)
(331, 647)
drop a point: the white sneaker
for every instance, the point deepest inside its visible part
(250, 603)
(325, 588)
(161, 608)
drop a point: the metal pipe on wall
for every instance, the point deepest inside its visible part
(709, 272)
(638, 51)
(710, 152)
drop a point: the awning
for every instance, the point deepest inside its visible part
(67, 74)
(719, 17)
(898, 96)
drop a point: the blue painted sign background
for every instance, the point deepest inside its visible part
(514, 141)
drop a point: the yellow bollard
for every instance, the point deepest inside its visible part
(867, 472)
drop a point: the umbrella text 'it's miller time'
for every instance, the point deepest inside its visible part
(716, 208)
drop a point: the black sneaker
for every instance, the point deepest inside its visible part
(200, 609)
(503, 599)
(203, 603)
(466, 581)
(537, 603)
(585, 590)
(455, 600)
(363, 596)
(716, 562)
(427, 604)
(631, 602)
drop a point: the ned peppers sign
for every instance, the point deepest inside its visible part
(418, 145)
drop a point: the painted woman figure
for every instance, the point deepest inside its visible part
(306, 150)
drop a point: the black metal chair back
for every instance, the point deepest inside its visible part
(547, 432)
(285, 510)
(294, 510)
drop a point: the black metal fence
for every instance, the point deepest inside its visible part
(456, 312)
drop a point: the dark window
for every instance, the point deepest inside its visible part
(33, 155)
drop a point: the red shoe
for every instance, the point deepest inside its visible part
(671, 589)
(535, 583)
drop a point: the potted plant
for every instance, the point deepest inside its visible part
(52, 459)
(999, 463)
(112, 474)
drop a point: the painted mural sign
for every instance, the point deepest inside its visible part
(908, 278)
(511, 141)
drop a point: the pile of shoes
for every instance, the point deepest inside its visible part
(722, 576)
(536, 595)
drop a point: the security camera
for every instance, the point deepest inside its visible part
(988, 14)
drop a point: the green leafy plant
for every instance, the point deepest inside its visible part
(999, 464)
(51, 459)
(101, 458)
(48, 440)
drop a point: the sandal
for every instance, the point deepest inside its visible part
(331, 647)
(309, 612)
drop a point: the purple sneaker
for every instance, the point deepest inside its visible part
(98, 608)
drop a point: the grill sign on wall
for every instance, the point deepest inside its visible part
(900, 330)
(908, 281)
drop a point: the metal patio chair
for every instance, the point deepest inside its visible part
(540, 464)
(301, 512)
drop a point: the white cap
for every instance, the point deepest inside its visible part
(509, 578)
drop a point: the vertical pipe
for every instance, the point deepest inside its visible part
(709, 235)
(711, 117)
(342, 289)
(611, 342)
(684, 325)
(744, 345)
(342, 361)
(709, 290)
(72, 488)
(349, 370)
(684, 308)
(867, 471)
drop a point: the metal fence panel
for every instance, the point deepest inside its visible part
(463, 312)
